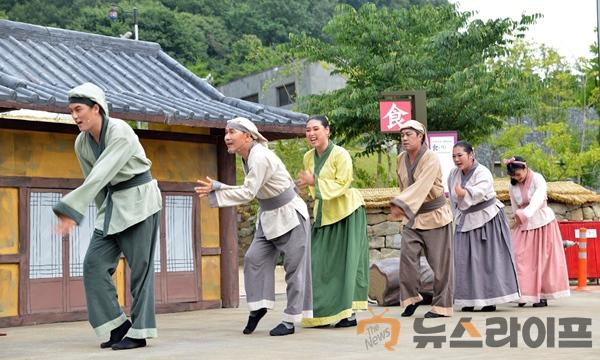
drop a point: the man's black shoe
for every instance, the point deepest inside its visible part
(253, 320)
(116, 335)
(432, 315)
(129, 343)
(281, 330)
(345, 323)
(410, 310)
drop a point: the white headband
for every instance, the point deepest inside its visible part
(244, 125)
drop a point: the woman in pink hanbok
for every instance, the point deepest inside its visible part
(537, 243)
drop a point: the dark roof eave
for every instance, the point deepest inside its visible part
(281, 129)
(295, 129)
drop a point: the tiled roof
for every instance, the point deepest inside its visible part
(38, 65)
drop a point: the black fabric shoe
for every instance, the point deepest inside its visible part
(281, 330)
(410, 310)
(488, 308)
(253, 320)
(431, 315)
(116, 335)
(427, 299)
(542, 303)
(345, 323)
(129, 343)
(468, 309)
(522, 304)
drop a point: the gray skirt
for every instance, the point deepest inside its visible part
(484, 267)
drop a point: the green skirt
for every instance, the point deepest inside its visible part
(340, 265)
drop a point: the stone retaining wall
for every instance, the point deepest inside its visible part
(384, 234)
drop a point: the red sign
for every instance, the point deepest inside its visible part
(392, 114)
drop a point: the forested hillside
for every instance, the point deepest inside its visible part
(226, 38)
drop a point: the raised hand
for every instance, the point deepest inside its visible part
(65, 225)
(305, 178)
(204, 187)
(397, 212)
(460, 191)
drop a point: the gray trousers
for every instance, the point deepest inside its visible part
(437, 244)
(259, 271)
(137, 243)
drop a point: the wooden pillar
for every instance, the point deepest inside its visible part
(230, 294)
(23, 251)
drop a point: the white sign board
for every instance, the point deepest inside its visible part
(589, 234)
(442, 143)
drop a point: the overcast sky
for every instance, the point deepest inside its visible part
(567, 26)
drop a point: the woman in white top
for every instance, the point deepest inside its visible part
(484, 267)
(537, 242)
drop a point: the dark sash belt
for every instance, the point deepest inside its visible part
(429, 207)
(137, 180)
(278, 201)
(472, 209)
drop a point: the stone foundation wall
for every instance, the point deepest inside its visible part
(384, 234)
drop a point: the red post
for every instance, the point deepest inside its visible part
(582, 260)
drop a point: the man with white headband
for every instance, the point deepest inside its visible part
(283, 227)
(117, 177)
(427, 219)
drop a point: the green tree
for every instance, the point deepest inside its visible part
(58, 13)
(201, 7)
(393, 3)
(437, 49)
(547, 78)
(591, 81)
(565, 153)
(555, 87)
(273, 20)
(292, 153)
(248, 55)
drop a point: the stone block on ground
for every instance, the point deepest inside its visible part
(384, 280)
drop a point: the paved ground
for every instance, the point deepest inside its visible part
(216, 334)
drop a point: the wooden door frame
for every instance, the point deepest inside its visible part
(24, 184)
